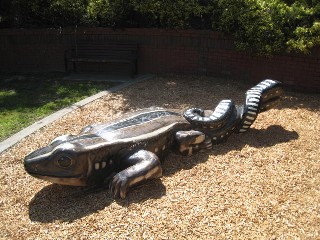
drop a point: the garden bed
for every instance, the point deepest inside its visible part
(263, 184)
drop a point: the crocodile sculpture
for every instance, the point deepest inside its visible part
(127, 151)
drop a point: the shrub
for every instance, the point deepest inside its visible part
(271, 26)
(261, 26)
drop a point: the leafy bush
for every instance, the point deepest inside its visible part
(266, 27)
(256, 25)
(270, 26)
(169, 14)
(305, 32)
(40, 13)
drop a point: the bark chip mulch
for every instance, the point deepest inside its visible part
(264, 184)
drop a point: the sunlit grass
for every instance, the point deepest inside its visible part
(24, 100)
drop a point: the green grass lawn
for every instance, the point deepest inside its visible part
(28, 98)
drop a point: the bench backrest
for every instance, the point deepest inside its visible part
(126, 50)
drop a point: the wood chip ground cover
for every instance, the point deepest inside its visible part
(260, 185)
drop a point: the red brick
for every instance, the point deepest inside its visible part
(160, 51)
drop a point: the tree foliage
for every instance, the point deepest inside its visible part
(265, 27)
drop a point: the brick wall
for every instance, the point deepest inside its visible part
(160, 51)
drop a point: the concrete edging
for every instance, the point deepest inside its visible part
(17, 137)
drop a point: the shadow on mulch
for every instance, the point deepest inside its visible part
(257, 138)
(296, 100)
(65, 203)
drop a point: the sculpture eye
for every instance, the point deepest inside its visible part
(64, 162)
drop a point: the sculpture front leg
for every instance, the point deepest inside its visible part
(139, 167)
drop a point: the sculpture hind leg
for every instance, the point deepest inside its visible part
(189, 142)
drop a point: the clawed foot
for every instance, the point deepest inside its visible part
(206, 144)
(119, 185)
(201, 147)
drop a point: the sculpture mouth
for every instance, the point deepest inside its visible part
(33, 171)
(70, 181)
(44, 175)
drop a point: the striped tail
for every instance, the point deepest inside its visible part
(219, 125)
(259, 98)
(219, 117)
(228, 118)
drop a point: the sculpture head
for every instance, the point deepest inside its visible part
(59, 163)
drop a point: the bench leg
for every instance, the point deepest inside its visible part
(66, 65)
(134, 69)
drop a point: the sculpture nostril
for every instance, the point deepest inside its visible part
(29, 167)
(26, 166)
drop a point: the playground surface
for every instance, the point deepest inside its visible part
(263, 184)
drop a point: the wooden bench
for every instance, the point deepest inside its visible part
(103, 52)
